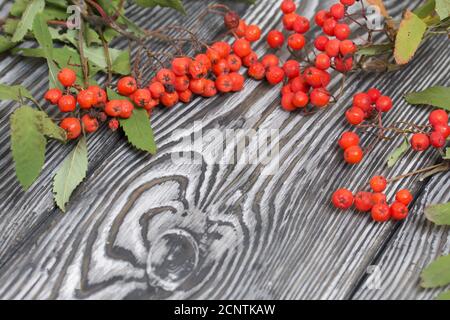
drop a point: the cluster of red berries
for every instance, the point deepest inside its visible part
(86, 99)
(375, 201)
(437, 138)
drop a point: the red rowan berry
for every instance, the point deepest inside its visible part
(355, 115)
(209, 89)
(197, 86)
(275, 39)
(379, 197)
(342, 31)
(257, 71)
(320, 43)
(438, 117)
(381, 212)
(231, 20)
(53, 95)
(197, 70)
(67, 103)
(90, 124)
(185, 96)
(291, 68)
(319, 97)
(300, 99)
(343, 65)
(156, 89)
(384, 104)
(150, 105)
(101, 116)
(270, 60)
(323, 61)
(348, 2)
(337, 11)
(374, 94)
(222, 48)
(321, 16)
(443, 129)
(165, 76)
(181, 83)
(328, 26)
(204, 61)
(299, 84)
(67, 77)
(347, 47)
(141, 97)
(362, 100)
(180, 66)
(288, 6)
(72, 126)
(296, 41)
(437, 140)
(250, 59)
(420, 142)
(113, 108)
(221, 67)
(169, 99)
(241, 47)
(286, 102)
(301, 25)
(348, 139)
(252, 33)
(353, 155)
(342, 199)
(286, 89)
(364, 201)
(234, 62)
(332, 48)
(240, 30)
(224, 83)
(325, 78)
(404, 196)
(289, 19)
(100, 95)
(86, 99)
(113, 124)
(313, 77)
(274, 75)
(378, 183)
(398, 211)
(237, 81)
(126, 86)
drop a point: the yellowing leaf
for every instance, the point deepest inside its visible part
(71, 173)
(439, 214)
(443, 8)
(14, 92)
(398, 153)
(380, 5)
(444, 296)
(409, 37)
(27, 19)
(27, 144)
(437, 274)
(437, 96)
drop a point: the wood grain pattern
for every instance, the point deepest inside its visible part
(144, 227)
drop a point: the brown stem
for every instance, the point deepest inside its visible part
(108, 57)
(84, 61)
(441, 166)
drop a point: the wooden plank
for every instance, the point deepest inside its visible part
(416, 244)
(152, 229)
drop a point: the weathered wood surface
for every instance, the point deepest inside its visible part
(145, 227)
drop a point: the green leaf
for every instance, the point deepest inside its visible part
(43, 37)
(18, 7)
(409, 37)
(6, 44)
(10, 26)
(447, 154)
(437, 96)
(175, 4)
(96, 55)
(443, 8)
(426, 9)
(121, 64)
(437, 274)
(26, 22)
(27, 144)
(71, 173)
(50, 129)
(14, 92)
(398, 153)
(439, 214)
(444, 296)
(55, 13)
(375, 49)
(137, 128)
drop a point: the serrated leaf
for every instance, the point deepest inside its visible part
(137, 128)
(426, 9)
(55, 13)
(375, 49)
(409, 37)
(439, 214)
(437, 96)
(443, 8)
(121, 64)
(14, 92)
(18, 7)
(174, 4)
(48, 128)
(28, 145)
(437, 274)
(6, 44)
(10, 26)
(27, 19)
(444, 296)
(96, 55)
(398, 153)
(71, 173)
